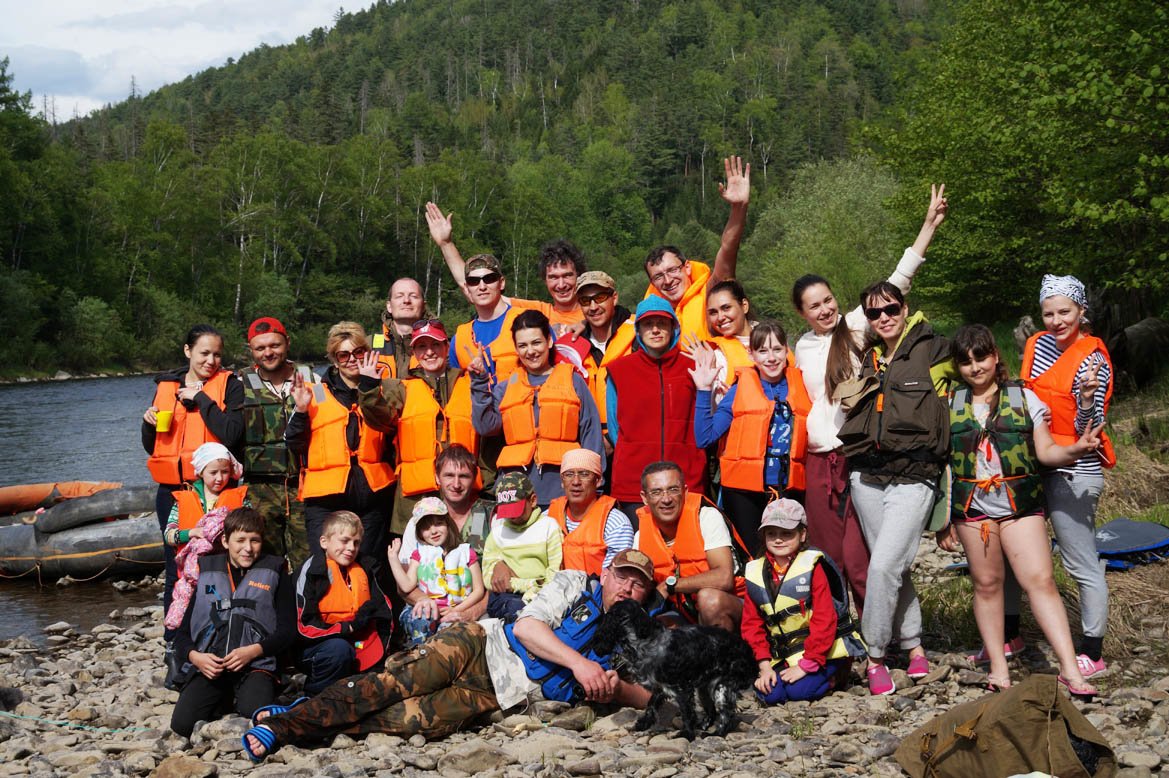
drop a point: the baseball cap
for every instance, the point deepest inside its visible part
(264, 325)
(633, 559)
(595, 278)
(654, 306)
(512, 491)
(481, 261)
(429, 506)
(783, 514)
(428, 328)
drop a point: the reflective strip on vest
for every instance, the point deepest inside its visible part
(171, 461)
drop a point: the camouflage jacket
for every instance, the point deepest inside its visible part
(265, 416)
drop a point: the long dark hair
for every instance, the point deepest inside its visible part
(843, 353)
(977, 341)
(736, 291)
(532, 319)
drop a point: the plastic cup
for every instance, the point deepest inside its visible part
(162, 420)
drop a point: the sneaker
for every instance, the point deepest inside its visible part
(1010, 648)
(879, 681)
(1090, 667)
(919, 667)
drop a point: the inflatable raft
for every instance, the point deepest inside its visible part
(109, 531)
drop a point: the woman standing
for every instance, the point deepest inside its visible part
(897, 441)
(728, 315)
(543, 410)
(1071, 372)
(999, 437)
(829, 355)
(763, 418)
(196, 404)
(346, 463)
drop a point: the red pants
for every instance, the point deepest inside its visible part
(833, 526)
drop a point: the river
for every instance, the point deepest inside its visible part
(84, 430)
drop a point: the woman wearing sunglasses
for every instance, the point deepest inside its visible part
(897, 441)
(346, 463)
(762, 423)
(828, 356)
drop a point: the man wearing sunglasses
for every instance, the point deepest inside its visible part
(683, 282)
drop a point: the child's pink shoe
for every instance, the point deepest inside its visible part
(879, 681)
(919, 667)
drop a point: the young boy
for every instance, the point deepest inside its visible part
(242, 616)
(523, 550)
(343, 618)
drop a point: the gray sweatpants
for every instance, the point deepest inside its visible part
(893, 519)
(1071, 507)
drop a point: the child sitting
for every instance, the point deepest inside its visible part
(522, 551)
(343, 617)
(441, 568)
(241, 618)
(783, 605)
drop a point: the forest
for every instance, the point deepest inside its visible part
(292, 181)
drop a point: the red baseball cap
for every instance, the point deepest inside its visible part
(428, 328)
(264, 325)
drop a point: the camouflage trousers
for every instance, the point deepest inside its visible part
(433, 689)
(284, 531)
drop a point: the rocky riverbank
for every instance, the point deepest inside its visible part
(92, 704)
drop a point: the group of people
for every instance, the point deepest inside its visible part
(484, 497)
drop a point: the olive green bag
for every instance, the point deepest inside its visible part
(1032, 726)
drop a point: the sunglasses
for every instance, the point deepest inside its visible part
(490, 278)
(892, 309)
(344, 356)
(424, 323)
(589, 299)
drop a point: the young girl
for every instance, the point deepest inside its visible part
(215, 469)
(442, 569)
(762, 418)
(783, 606)
(999, 438)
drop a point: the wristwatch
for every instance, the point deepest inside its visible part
(671, 582)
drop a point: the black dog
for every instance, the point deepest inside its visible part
(678, 664)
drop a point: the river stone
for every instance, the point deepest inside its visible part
(179, 766)
(577, 719)
(475, 756)
(138, 762)
(1137, 757)
(847, 752)
(584, 767)
(540, 747)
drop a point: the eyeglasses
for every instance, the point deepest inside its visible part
(657, 494)
(892, 309)
(577, 475)
(670, 272)
(589, 299)
(344, 356)
(634, 581)
(490, 278)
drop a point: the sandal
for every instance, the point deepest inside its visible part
(267, 739)
(996, 683)
(1085, 693)
(275, 710)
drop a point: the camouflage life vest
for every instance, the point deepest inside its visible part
(265, 416)
(1009, 430)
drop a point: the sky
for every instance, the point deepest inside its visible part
(82, 54)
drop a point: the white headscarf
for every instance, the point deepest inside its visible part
(209, 452)
(1068, 286)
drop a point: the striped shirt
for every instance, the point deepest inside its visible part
(1046, 354)
(618, 533)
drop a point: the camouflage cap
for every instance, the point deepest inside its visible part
(595, 278)
(512, 491)
(481, 262)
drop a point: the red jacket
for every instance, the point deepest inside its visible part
(822, 628)
(655, 421)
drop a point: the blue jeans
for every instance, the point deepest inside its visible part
(504, 605)
(327, 662)
(417, 628)
(812, 686)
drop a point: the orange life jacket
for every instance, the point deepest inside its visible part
(620, 343)
(388, 361)
(559, 429)
(584, 548)
(418, 443)
(342, 601)
(691, 309)
(191, 507)
(501, 350)
(744, 448)
(736, 355)
(688, 554)
(326, 470)
(1054, 387)
(171, 461)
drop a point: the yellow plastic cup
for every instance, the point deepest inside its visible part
(162, 420)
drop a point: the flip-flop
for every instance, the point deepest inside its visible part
(1081, 693)
(275, 710)
(267, 739)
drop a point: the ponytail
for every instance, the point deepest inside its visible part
(843, 356)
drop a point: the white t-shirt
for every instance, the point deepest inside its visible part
(713, 527)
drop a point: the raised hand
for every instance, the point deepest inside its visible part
(1091, 382)
(705, 370)
(737, 188)
(479, 363)
(301, 394)
(689, 344)
(368, 365)
(939, 205)
(440, 226)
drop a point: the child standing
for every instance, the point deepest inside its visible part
(343, 618)
(443, 569)
(242, 617)
(796, 592)
(215, 469)
(522, 552)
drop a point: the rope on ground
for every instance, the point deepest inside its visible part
(72, 724)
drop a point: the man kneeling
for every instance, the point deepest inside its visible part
(472, 668)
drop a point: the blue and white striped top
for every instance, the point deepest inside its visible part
(1046, 354)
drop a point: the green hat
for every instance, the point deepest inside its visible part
(512, 491)
(482, 261)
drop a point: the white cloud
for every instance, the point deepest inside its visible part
(80, 56)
